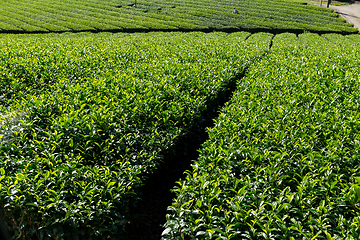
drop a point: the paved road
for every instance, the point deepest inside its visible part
(350, 12)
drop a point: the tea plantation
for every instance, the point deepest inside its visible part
(96, 97)
(26, 16)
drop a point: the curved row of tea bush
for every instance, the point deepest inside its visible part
(86, 118)
(110, 15)
(283, 159)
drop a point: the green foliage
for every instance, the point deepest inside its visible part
(282, 161)
(119, 15)
(86, 118)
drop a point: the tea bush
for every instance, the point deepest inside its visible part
(86, 118)
(282, 161)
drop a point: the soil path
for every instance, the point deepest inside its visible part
(350, 12)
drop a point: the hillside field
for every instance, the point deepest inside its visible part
(41, 16)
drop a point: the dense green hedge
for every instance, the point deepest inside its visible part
(86, 118)
(282, 161)
(122, 15)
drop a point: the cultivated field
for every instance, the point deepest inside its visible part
(174, 15)
(88, 119)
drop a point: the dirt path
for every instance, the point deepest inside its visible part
(350, 12)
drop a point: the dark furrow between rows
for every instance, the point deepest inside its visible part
(208, 30)
(156, 192)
